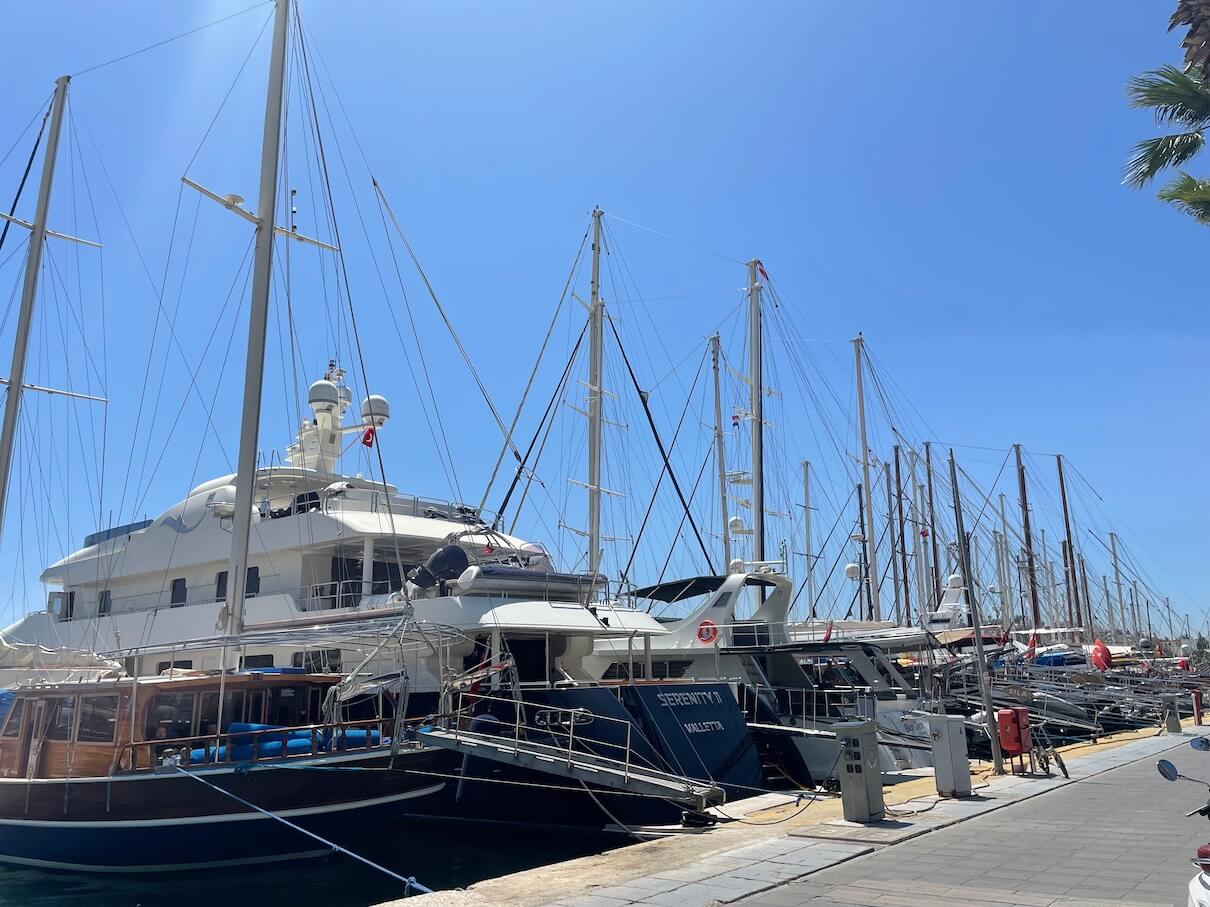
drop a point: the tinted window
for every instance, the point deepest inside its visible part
(13, 727)
(249, 662)
(256, 706)
(59, 721)
(178, 592)
(98, 719)
(104, 603)
(207, 715)
(252, 585)
(220, 586)
(283, 707)
(173, 712)
(322, 661)
(163, 666)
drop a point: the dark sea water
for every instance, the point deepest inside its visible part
(437, 854)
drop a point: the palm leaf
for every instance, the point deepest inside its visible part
(1154, 155)
(1188, 195)
(1175, 96)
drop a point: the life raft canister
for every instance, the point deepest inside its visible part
(707, 631)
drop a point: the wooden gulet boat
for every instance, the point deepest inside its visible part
(137, 775)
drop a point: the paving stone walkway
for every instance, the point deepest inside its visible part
(1114, 834)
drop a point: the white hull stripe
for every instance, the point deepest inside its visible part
(68, 824)
(162, 867)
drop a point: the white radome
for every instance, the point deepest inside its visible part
(375, 410)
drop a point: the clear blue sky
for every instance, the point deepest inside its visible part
(944, 177)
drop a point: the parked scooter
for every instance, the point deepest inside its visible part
(1199, 886)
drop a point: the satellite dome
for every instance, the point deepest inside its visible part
(323, 397)
(375, 411)
(222, 502)
(852, 571)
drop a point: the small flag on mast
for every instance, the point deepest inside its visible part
(368, 437)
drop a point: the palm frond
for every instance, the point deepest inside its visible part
(1174, 96)
(1188, 195)
(1154, 155)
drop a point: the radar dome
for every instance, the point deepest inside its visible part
(323, 397)
(222, 502)
(852, 571)
(375, 411)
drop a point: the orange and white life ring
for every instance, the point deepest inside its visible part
(707, 631)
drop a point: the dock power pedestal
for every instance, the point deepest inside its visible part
(951, 767)
(860, 771)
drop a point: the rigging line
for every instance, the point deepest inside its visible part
(450, 471)
(821, 548)
(734, 261)
(558, 392)
(508, 440)
(537, 362)
(24, 175)
(185, 34)
(230, 88)
(25, 128)
(681, 526)
(659, 481)
(659, 443)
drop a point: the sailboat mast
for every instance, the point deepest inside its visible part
(33, 266)
(932, 517)
(871, 541)
(720, 455)
(596, 393)
(258, 319)
(1069, 557)
(1117, 581)
(893, 534)
(757, 406)
(903, 555)
(1031, 566)
(808, 552)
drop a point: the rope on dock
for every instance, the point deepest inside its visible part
(409, 882)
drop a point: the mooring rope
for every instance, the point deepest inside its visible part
(409, 882)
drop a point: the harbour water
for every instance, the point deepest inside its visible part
(439, 855)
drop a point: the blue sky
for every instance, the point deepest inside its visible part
(944, 177)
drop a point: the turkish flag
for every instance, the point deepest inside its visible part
(1101, 659)
(368, 437)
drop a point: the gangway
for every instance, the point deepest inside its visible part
(510, 746)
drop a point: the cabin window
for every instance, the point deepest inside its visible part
(207, 713)
(251, 662)
(12, 727)
(60, 719)
(173, 712)
(321, 661)
(62, 604)
(186, 664)
(104, 604)
(98, 719)
(256, 706)
(306, 502)
(220, 586)
(178, 592)
(252, 582)
(284, 706)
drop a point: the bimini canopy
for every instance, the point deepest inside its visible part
(679, 589)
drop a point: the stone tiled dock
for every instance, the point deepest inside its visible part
(1115, 833)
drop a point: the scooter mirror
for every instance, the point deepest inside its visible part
(1201, 744)
(1167, 770)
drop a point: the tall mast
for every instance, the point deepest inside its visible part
(1030, 565)
(919, 542)
(808, 553)
(893, 535)
(1117, 581)
(903, 555)
(928, 474)
(33, 265)
(757, 405)
(1089, 624)
(1108, 607)
(1134, 601)
(596, 392)
(864, 585)
(258, 317)
(964, 555)
(1069, 559)
(720, 456)
(1009, 562)
(871, 540)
